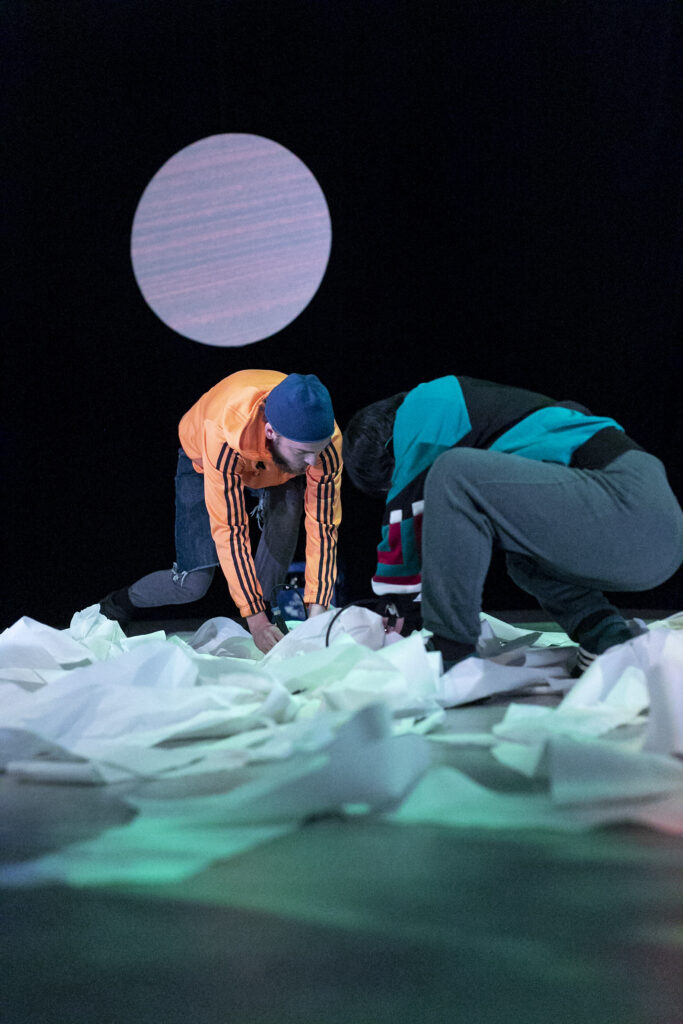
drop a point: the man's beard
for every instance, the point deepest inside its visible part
(279, 461)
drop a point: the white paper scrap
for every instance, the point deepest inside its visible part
(446, 796)
(475, 678)
(101, 637)
(221, 636)
(595, 771)
(664, 733)
(361, 624)
(30, 644)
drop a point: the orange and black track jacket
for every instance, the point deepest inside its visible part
(224, 436)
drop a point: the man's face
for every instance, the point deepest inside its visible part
(293, 456)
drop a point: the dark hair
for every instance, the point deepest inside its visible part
(368, 449)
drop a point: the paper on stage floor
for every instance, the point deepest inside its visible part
(112, 699)
(363, 767)
(106, 701)
(614, 692)
(242, 693)
(447, 797)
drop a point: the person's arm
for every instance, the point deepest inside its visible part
(398, 577)
(399, 554)
(224, 497)
(322, 507)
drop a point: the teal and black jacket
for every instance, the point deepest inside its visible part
(464, 412)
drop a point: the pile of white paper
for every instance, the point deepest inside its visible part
(338, 717)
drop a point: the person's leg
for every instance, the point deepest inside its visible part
(280, 511)
(196, 556)
(567, 603)
(168, 586)
(587, 530)
(157, 589)
(585, 614)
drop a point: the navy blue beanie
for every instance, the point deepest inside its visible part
(300, 408)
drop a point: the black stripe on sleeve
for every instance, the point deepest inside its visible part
(325, 510)
(223, 450)
(322, 508)
(236, 517)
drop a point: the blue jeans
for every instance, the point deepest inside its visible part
(279, 511)
(194, 546)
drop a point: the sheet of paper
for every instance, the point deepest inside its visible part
(665, 722)
(599, 771)
(447, 797)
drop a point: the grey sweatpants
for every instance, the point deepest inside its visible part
(568, 534)
(279, 514)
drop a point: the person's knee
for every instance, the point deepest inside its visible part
(193, 585)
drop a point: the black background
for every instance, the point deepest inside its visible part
(503, 184)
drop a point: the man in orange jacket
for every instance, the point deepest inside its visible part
(262, 431)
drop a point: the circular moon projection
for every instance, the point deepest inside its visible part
(230, 239)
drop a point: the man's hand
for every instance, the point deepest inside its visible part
(264, 633)
(315, 609)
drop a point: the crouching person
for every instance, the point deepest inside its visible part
(465, 465)
(271, 434)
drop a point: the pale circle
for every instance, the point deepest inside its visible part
(230, 239)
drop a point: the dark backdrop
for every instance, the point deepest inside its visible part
(504, 191)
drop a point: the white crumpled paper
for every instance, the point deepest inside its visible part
(127, 696)
(361, 767)
(89, 705)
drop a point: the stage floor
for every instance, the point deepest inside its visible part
(350, 921)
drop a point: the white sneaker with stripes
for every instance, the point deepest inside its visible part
(584, 658)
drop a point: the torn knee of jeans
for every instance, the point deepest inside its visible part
(259, 511)
(178, 577)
